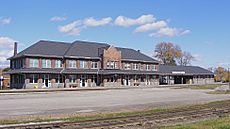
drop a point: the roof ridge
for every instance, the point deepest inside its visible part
(52, 41)
(90, 42)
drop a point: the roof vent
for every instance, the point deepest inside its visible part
(139, 50)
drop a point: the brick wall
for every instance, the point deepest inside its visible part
(111, 54)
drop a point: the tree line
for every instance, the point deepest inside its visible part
(221, 74)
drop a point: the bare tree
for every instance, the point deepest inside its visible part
(185, 59)
(167, 53)
(219, 74)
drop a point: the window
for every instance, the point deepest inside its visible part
(112, 64)
(83, 64)
(136, 78)
(33, 78)
(135, 66)
(19, 63)
(59, 79)
(33, 63)
(154, 68)
(94, 65)
(147, 67)
(116, 65)
(12, 64)
(46, 63)
(72, 78)
(141, 67)
(127, 66)
(108, 65)
(72, 63)
(58, 64)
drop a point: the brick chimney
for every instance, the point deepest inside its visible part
(15, 48)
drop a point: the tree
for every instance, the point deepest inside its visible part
(6, 69)
(185, 59)
(220, 74)
(167, 53)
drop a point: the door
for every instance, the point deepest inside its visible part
(147, 80)
(83, 81)
(127, 81)
(46, 81)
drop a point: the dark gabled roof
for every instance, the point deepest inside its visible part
(188, 70)
(45, 48)
(79, 49)
(85, 49)
(133, 55)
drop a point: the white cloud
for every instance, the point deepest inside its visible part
(170, 32)
(197, 57)
(148, 23)
(4, 21)
(93, 22)
(185, 32)
(144, 23)
(6, 50)
(151, 26)
(58, 18)
(71, 28)
(125, 21)
(75, 27)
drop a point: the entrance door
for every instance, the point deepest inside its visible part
(147, 80)
(127, 81)
(83, 81)
(46, 81)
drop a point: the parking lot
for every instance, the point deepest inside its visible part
(70, 102)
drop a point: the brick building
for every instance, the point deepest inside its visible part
(49, 64)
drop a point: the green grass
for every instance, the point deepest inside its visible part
(203, 87)
(218, 123)
(77, 117)
(219, 92)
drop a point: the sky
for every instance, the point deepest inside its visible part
(201, 27)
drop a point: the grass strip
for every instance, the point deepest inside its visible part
(79, 118)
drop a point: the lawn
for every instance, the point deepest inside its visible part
(217, 123)
(78, 118)
(204, 87)
(219, 92)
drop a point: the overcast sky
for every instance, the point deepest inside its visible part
(201, 27)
